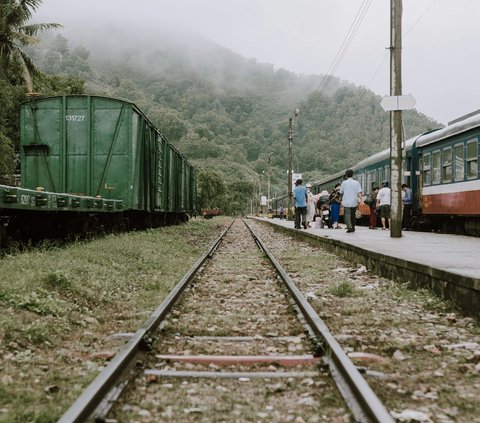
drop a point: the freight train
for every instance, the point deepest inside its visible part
(90, 162)
(441, 167)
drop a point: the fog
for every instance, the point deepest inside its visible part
(440, 38)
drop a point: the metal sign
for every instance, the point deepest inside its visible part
(397, 102)
(295, 176)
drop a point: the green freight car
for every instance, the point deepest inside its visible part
(105, 148)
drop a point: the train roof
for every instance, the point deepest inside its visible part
(458, 127)
(383, 155)
(330, 178)
(37, 99)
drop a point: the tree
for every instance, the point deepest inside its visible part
(237, 196)
(211, 189)
(15, 34)
(6, 159)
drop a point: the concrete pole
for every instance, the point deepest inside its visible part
(396, 119)
(269, 181)
(291, 123)
(289, 173)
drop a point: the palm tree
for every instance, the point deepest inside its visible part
(15, 33)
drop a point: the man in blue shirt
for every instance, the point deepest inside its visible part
(352, 195)
(300, 198)
(407, 207)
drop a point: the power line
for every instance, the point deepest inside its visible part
(343, 48)
(409, 29)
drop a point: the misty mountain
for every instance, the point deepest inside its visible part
(226, 112)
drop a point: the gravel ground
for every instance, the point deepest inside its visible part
(421, 356)
(236, 295)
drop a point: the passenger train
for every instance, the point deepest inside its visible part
(441, 167)
(92, 162)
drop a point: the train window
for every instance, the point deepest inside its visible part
(472, 159)
(459, 163)
(447, 165)
(361, 181)
(436, 171)
(427, 174)
(387, 174)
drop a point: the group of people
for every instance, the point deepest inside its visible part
(308, 206)
(380, 205)
(350, 194)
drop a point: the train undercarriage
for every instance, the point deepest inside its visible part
(25, 227)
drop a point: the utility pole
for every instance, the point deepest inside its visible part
(396, 135)
(269, 178)
(291, 123)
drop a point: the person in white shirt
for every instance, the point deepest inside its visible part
(351, 191)
(310, 205)
(383, 204)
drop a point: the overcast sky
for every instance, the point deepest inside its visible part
(441, 39)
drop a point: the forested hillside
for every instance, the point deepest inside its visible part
(228, 114)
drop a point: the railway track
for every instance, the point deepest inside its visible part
(234, 341)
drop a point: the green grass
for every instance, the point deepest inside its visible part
(344, 289)
(62, 303)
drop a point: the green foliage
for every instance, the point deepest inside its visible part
(58, 281)
(54, 57)
(6, 159)
(16, 68)
(114, 278)
(238, 194)
(344, 289)
(228, 113)
(225, 112)
(59, 85)
(15, 34)
(211, 188)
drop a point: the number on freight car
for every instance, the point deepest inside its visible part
(27, 200)
(74, 118)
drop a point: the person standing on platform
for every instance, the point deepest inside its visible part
(373, 208)
(300, 199)
(310, 205)
(383, 204)
(407, 207)
(351, 191)
(335, 201)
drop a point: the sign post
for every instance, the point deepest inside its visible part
(396, 136)
(397, 102)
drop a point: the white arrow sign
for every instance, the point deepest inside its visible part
(397, 102)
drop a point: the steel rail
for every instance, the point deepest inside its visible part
(86, 403)
(361, 399)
